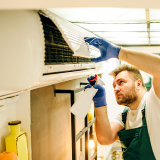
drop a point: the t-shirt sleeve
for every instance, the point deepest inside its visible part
(118, 119)
(153, 98)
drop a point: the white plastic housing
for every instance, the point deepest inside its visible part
(21, 49)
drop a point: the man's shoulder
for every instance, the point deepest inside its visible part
(151, 95)
(152, 99)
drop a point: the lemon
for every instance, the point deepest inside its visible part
(90, 115)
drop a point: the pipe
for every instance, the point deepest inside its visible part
(80, 134)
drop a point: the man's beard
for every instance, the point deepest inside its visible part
(130, 98)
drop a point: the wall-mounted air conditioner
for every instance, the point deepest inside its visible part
(39, 48)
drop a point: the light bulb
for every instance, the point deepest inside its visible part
(91, 144)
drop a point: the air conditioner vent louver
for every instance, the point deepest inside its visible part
(56, 49)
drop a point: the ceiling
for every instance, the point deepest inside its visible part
(122, 26)
(41, 4)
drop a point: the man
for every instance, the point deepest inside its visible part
(138, 127)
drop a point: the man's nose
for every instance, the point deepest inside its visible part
(116, 88)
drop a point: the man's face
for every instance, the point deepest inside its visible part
(124, 89)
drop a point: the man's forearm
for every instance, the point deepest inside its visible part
(102, 126)
(144, 61)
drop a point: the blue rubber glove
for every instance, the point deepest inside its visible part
(88, 86)
(107, 49)
(100, 97)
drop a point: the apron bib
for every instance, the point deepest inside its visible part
(135, 142)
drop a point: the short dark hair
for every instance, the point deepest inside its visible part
(133, 71)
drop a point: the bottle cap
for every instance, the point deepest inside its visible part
(14, 122)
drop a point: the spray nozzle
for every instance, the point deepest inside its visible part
(95, 78)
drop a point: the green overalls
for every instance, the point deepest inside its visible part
(135, 142)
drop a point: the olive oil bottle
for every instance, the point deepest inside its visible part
(17, 141)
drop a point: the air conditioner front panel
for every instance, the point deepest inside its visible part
(62, 77)
(74, 36)
(57, 51)
(69, 67)
(21, 49)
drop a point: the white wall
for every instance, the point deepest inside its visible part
(112, 106)
(19, 110)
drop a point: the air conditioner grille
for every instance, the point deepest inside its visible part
(56, 49)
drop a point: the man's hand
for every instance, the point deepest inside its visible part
(107, 49)
(100, 97)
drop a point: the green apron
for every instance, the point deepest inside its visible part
(135, 142)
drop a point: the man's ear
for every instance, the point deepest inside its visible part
(138, 84)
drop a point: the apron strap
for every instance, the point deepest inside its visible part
(124, 115)
(144, 116)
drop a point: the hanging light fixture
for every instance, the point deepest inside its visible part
(91, 138)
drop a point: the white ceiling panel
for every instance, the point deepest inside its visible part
(155, 40)
(100, 14)
(154, 43)
(155, 26)
(128, 39)
(154, 14)
(155, 34)
(130, 43)
(122, 34)
(113, 27)
(123, 26)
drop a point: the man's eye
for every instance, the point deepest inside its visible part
(121, 82)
